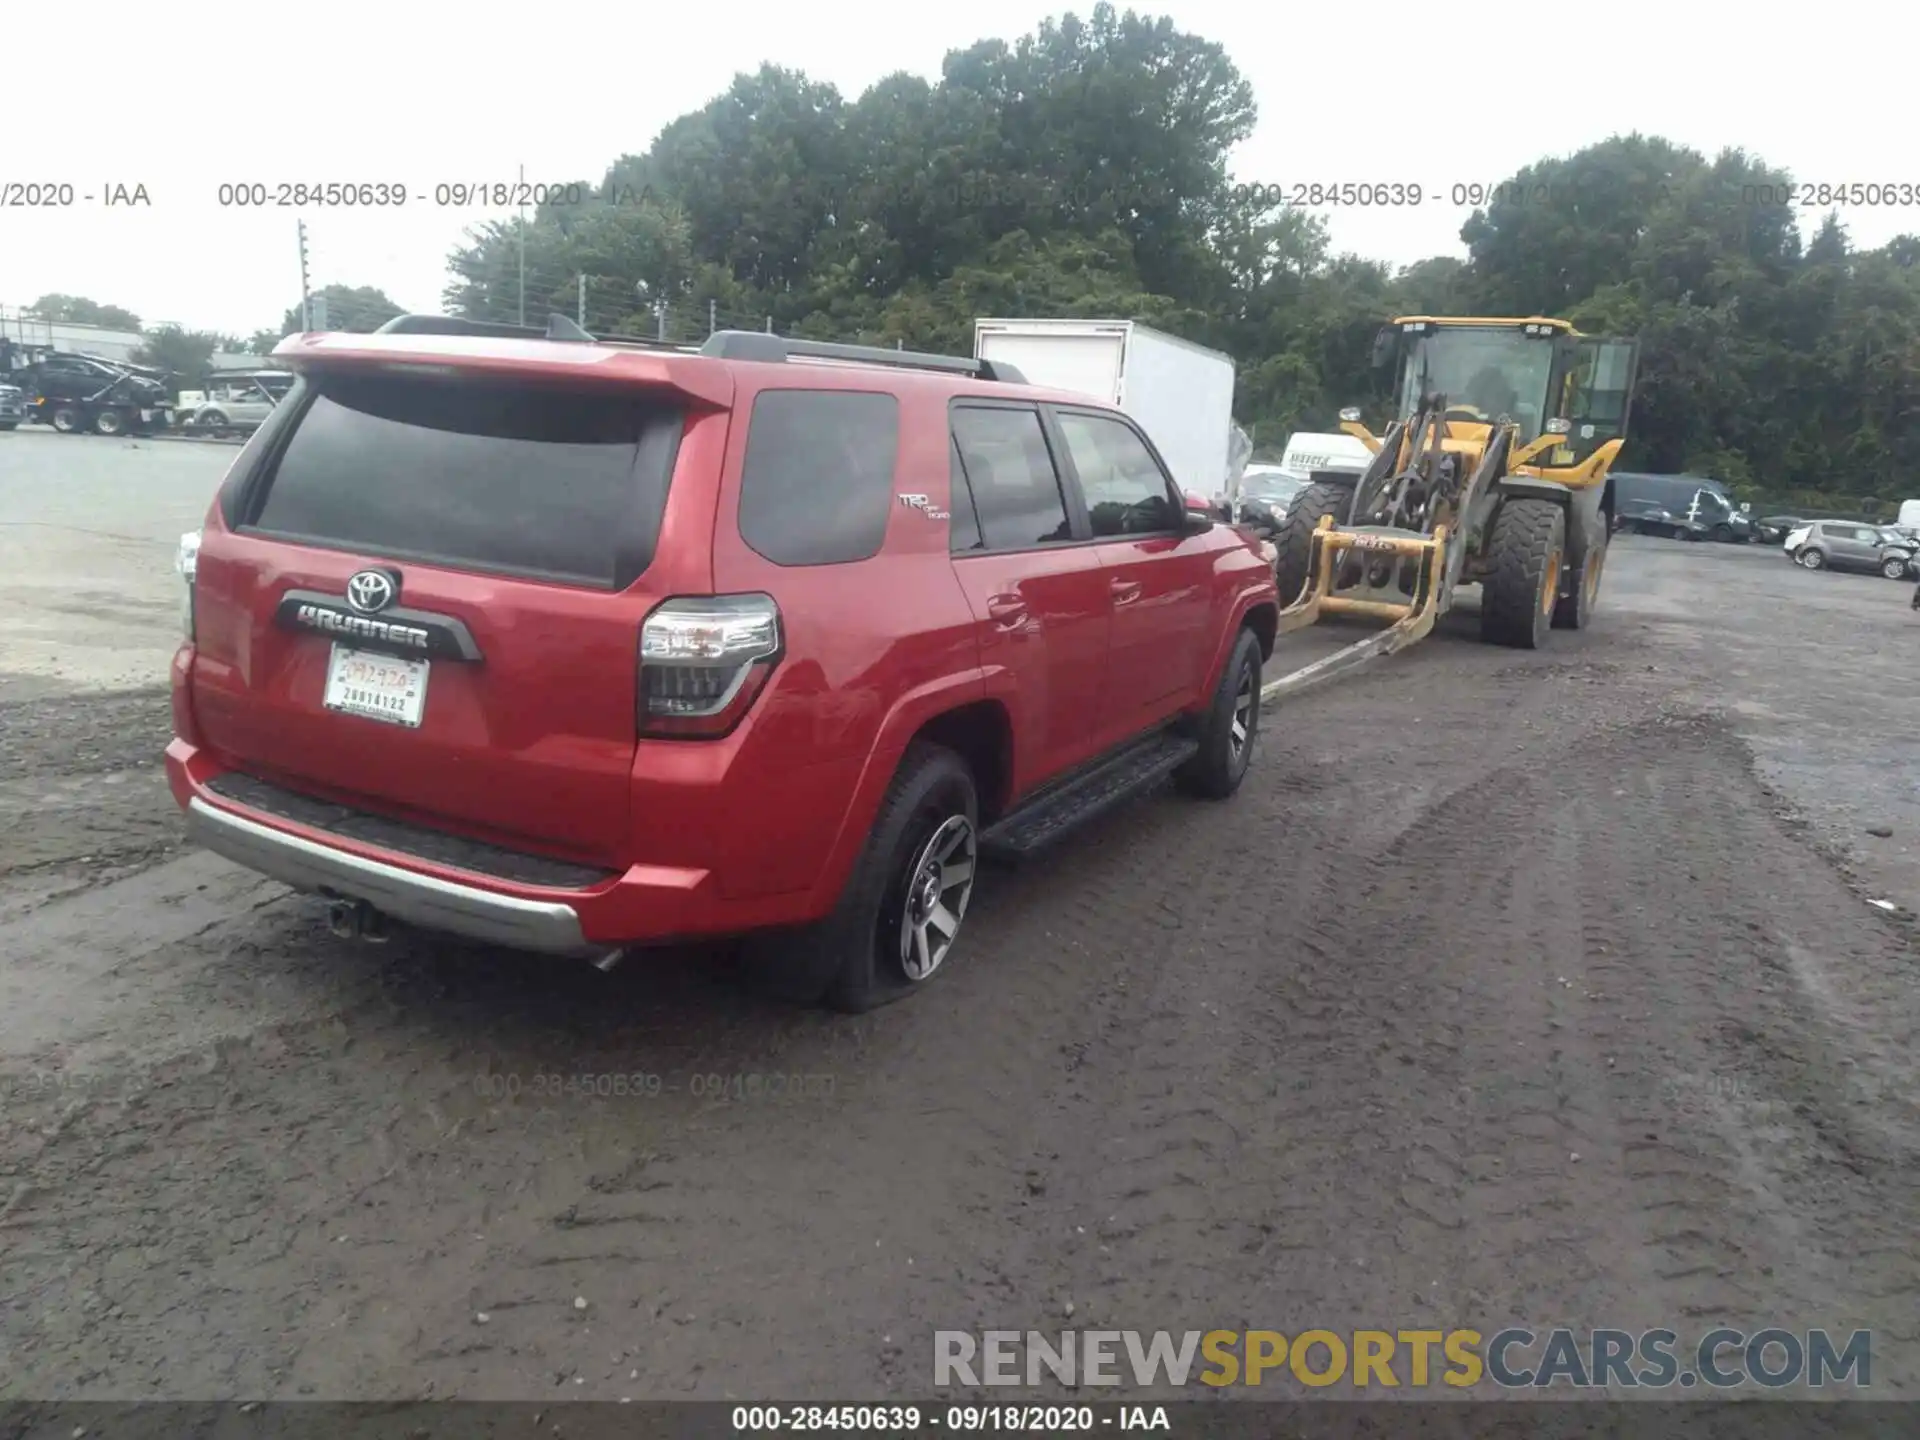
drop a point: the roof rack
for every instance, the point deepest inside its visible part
(778, 349)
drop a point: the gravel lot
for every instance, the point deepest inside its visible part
(1512, 989)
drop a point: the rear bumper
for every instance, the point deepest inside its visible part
(642, 905)
(548, 927)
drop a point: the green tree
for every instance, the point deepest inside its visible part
(358, 309)
(186, 355)
(1082, 169)
(78, 310)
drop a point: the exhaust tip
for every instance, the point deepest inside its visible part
(341, 920)
(356, 920)
(608, 959)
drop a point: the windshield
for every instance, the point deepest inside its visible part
(1495, 371)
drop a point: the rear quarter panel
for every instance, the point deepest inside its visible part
(874, 648)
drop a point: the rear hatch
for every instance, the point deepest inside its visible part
(424, 594)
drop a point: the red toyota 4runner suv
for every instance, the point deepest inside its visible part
(575, 646)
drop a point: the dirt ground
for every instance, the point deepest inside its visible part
(1512, 989)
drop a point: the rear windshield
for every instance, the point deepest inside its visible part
(549, 483)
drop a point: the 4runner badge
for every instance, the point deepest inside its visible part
(924, 505)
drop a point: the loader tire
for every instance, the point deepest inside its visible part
(1575, 609)
(1524, 556)
(1294, 538)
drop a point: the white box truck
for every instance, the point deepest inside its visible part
(1180, 393)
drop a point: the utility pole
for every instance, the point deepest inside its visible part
(583, 299)
(523, 246)
(713, 316)
(662, 313)
(306, 299)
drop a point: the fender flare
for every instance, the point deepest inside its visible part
(1245, 603)
(909, 713)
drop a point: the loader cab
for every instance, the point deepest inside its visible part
(1541, 374)
(1489, 370)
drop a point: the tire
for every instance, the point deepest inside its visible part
(1230, 727)
(1522, 585)
(66, 420)
(1809, 558)
(109, 422)
(1721, 535)
(1894, 568)
(213, 422)
(864, 955)
(1294, 539)
(1575, 611)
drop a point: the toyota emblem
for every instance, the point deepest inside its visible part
(372, 590)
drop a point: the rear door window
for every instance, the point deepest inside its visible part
(817, 485)
(1016, 492)
(539, 481)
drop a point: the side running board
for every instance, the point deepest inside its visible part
(1056, 814)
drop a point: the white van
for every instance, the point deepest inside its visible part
(1307, 452)
(1909, 517)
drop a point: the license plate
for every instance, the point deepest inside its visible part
(376, 687)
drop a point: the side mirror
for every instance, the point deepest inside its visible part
(1196, 517)
(1197, 502)
(1385, 342)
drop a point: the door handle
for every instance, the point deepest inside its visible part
(1125, 591)
(1009, 612)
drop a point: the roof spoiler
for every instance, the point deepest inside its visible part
(721, 345)
(778, 349)
(558, 327)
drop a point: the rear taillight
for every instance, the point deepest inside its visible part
(703, 661)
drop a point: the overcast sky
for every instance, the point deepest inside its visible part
(419, 93)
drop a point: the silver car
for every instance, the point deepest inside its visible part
(1850, 545)
(13, 407)
(234, 402)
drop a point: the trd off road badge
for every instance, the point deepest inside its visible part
(924, 506)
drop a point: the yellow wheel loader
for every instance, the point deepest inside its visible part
(1495, 473)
